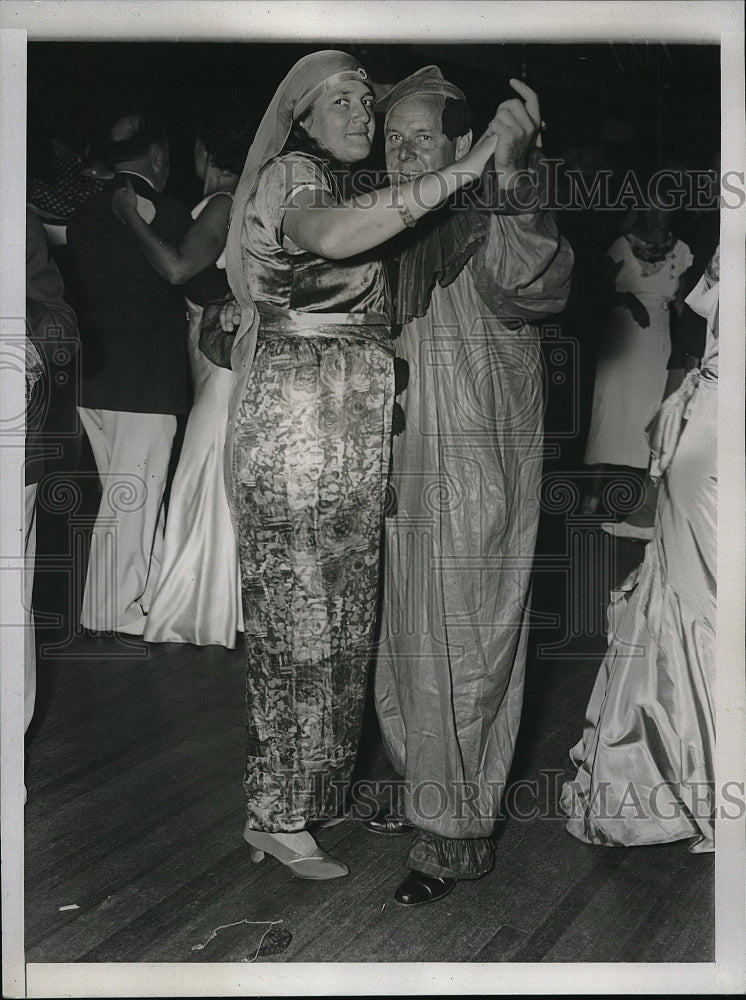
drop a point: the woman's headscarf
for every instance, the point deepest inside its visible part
(296, 94)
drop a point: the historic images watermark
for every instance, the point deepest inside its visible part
(553, 186)
(585, 557)
(525, 800)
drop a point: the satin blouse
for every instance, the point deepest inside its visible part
(280, 272)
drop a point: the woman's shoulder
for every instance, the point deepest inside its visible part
(202, 205)
(284, 175)
(294, 162)
(297, 154)
(278, 181)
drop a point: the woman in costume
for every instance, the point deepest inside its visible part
(644, 268)
(308, 439)
(197, 597)
(646, 760)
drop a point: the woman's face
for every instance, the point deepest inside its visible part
(654, 224)
(342, 121)
(201, 159)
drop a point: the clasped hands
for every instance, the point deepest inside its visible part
(515, 130)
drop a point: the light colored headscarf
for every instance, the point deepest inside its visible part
(297, 92)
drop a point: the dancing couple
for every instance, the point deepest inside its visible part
(309, 449)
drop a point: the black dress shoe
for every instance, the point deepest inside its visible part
(386, 824)
(419, 888)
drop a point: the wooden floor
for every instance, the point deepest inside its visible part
(134, 817)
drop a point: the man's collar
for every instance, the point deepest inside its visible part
(134, 173)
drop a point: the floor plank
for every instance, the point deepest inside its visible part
(681, 925)
(135, 811)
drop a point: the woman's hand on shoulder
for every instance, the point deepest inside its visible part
(124, 202)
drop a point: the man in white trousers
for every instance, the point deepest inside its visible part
(135, 374)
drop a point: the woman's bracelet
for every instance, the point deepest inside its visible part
(406, 216)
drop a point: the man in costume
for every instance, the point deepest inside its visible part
(473, 280)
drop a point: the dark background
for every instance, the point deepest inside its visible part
(608, 106)
(640, 106)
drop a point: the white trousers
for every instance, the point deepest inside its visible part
(29, 639)
(132, 452)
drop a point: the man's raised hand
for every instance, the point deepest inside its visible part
(516, 126)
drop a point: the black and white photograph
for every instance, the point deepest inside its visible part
(372, 498)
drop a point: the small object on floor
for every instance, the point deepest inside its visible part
(274, 939)
(623, 529)
(387, 824)
(274, 942)
(70, 906)
(316, 866)
(419, 888)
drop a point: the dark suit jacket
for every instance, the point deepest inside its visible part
(132, 322)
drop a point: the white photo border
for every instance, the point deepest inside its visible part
(381, 21)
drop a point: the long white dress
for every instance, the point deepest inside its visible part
(198, 594)
(631, 364)
(646, 760)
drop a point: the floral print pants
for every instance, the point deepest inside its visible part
(310, 457)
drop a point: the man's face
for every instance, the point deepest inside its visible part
(414, 138)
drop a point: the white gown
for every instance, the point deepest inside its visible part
(631, 364)
(646, 760)
(198, 593)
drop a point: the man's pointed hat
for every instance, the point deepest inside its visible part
(426, 81)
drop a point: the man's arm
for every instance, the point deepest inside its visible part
(523, 269)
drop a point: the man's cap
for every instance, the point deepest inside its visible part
(426, 81)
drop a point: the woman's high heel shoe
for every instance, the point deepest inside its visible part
(317, 866)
